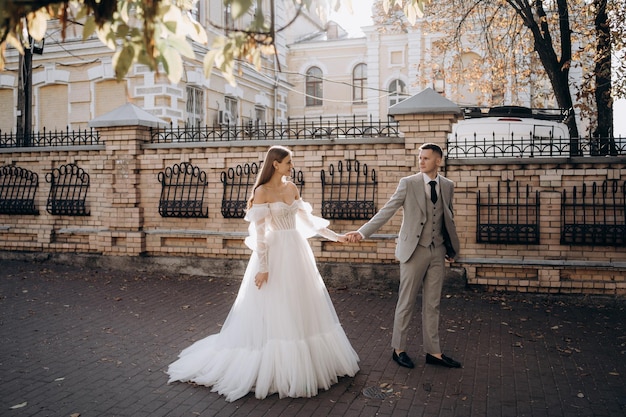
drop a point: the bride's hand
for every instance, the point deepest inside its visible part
(260, 279)
(342, 238)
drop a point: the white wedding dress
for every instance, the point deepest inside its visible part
(285, 337)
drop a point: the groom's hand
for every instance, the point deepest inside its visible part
(354, 237)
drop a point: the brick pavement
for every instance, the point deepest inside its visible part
(95, 342)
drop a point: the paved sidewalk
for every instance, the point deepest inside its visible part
(86, 342)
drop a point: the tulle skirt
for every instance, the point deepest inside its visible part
(284, 338)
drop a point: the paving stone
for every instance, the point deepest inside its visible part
(97, 342)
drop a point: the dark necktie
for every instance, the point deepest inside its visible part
(433, 191)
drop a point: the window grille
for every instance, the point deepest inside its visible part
(349, 193)
(594, 216)
(17, 190)
(68, 191)
(182, 191)
(508, 215)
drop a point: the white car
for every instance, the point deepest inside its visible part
(508, 132)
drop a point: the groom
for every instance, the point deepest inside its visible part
(427, 239)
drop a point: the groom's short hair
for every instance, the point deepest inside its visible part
(433, 147)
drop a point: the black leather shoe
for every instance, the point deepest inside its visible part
(403, 359)
(444, 361)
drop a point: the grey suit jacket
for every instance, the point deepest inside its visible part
(410, 196)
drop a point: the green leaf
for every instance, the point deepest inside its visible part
(182, 46)
(89, 28)
(107, 35)
(240, 7)
(209, 62)
(122, 60)
(172, 62)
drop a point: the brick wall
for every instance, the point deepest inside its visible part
(124, 220)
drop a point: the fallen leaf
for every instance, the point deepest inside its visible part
(16, 406)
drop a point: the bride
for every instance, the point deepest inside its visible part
(282, 334)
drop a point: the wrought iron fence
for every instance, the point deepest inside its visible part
(44, 138)
(17, 190)
(182, 191)
(532, 146)
(305, 129)
(509, 215)
(238, 183)
(68, 191)
(349, 194)
(595, 216)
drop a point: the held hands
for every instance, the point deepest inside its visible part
(353, 237)
(350, 237)
(260, 279)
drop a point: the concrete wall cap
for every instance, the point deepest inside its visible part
(128, 115)
(427, 102)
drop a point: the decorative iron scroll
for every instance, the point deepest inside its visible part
(182, 191)
(349, 194)
(508, 216)
(238, 183)
(17, 190)
(68, 191)
(597, 218)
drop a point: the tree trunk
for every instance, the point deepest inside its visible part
(557, 68)
(603, 143)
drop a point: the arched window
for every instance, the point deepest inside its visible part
(397, 92)
(359, 81)
(314, 90)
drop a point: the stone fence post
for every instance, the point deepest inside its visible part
(123, 132)
(424, 117)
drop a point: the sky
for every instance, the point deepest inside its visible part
(362, 17)
(362, 11)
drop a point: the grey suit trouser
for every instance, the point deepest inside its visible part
(425, 268)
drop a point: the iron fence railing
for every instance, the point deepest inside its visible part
(531, 146)
(300, 129)
(17, 190)
(183, 187)
(595, 216)
(349, 194)
(68, 191)
(45, 138)
(508, 215)
(238, 183)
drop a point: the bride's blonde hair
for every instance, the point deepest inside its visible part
(275, 153)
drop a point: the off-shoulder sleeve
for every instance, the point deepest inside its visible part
(257, 216)
(310, 225)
